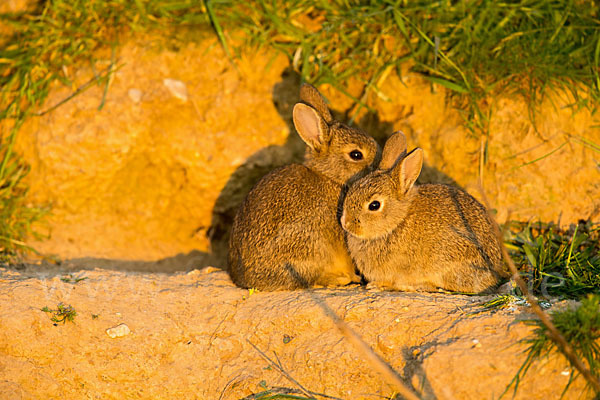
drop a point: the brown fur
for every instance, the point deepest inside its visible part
(286, 234)
(422, 237)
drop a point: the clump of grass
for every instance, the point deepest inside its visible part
(277, 393)
(580, 326)
(66, 32)
(508, 300)
(70, 278)
(63, 313)
(474, 48)
(556, 262)
(16, 216)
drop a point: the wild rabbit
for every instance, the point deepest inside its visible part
(286, 234)
(418, 238)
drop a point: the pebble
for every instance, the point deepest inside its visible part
(118, 331)
(135, 95)
(177, 88)
(210, 270)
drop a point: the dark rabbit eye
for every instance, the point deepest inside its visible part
(356, 155)
(374, 205)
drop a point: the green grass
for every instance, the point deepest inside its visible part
(474, 48)
(580, 326)
(555, 262)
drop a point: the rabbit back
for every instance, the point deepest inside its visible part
(286, 234)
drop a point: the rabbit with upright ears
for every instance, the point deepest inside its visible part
(419, 238)
(286, 233)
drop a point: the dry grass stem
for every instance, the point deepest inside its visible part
(279, 368)
(367, 353)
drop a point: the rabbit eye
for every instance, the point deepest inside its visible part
(356, 155)
(374, 205)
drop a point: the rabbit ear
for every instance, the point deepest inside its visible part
(393, 151)
(311, 96)
(310, 126)
(408, 170)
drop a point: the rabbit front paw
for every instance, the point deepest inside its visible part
(337, 280)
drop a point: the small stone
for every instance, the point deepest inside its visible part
(177, 88)
(135, 95)
(385, 345)
(565, 372)
(476, 344)
(210, 270)
(118, 331)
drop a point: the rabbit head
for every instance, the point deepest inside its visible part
(335, 150)
(377, 203)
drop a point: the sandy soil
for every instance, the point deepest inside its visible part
(191, 334)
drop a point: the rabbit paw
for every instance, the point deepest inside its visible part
(339, 280)
(379, 286)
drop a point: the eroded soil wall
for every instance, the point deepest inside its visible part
(153, 173)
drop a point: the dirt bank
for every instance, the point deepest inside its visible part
(190, 336)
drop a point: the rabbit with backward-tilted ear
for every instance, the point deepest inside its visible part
(419, 238)
(286, 233)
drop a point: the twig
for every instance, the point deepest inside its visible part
(104, 74)
(282, 371)
(553, 333)
(109, 76)
(231, 381)
(214, 334)
(367, 352)
(218, 30)
(539, 158)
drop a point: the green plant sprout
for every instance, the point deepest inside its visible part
(63, 313)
